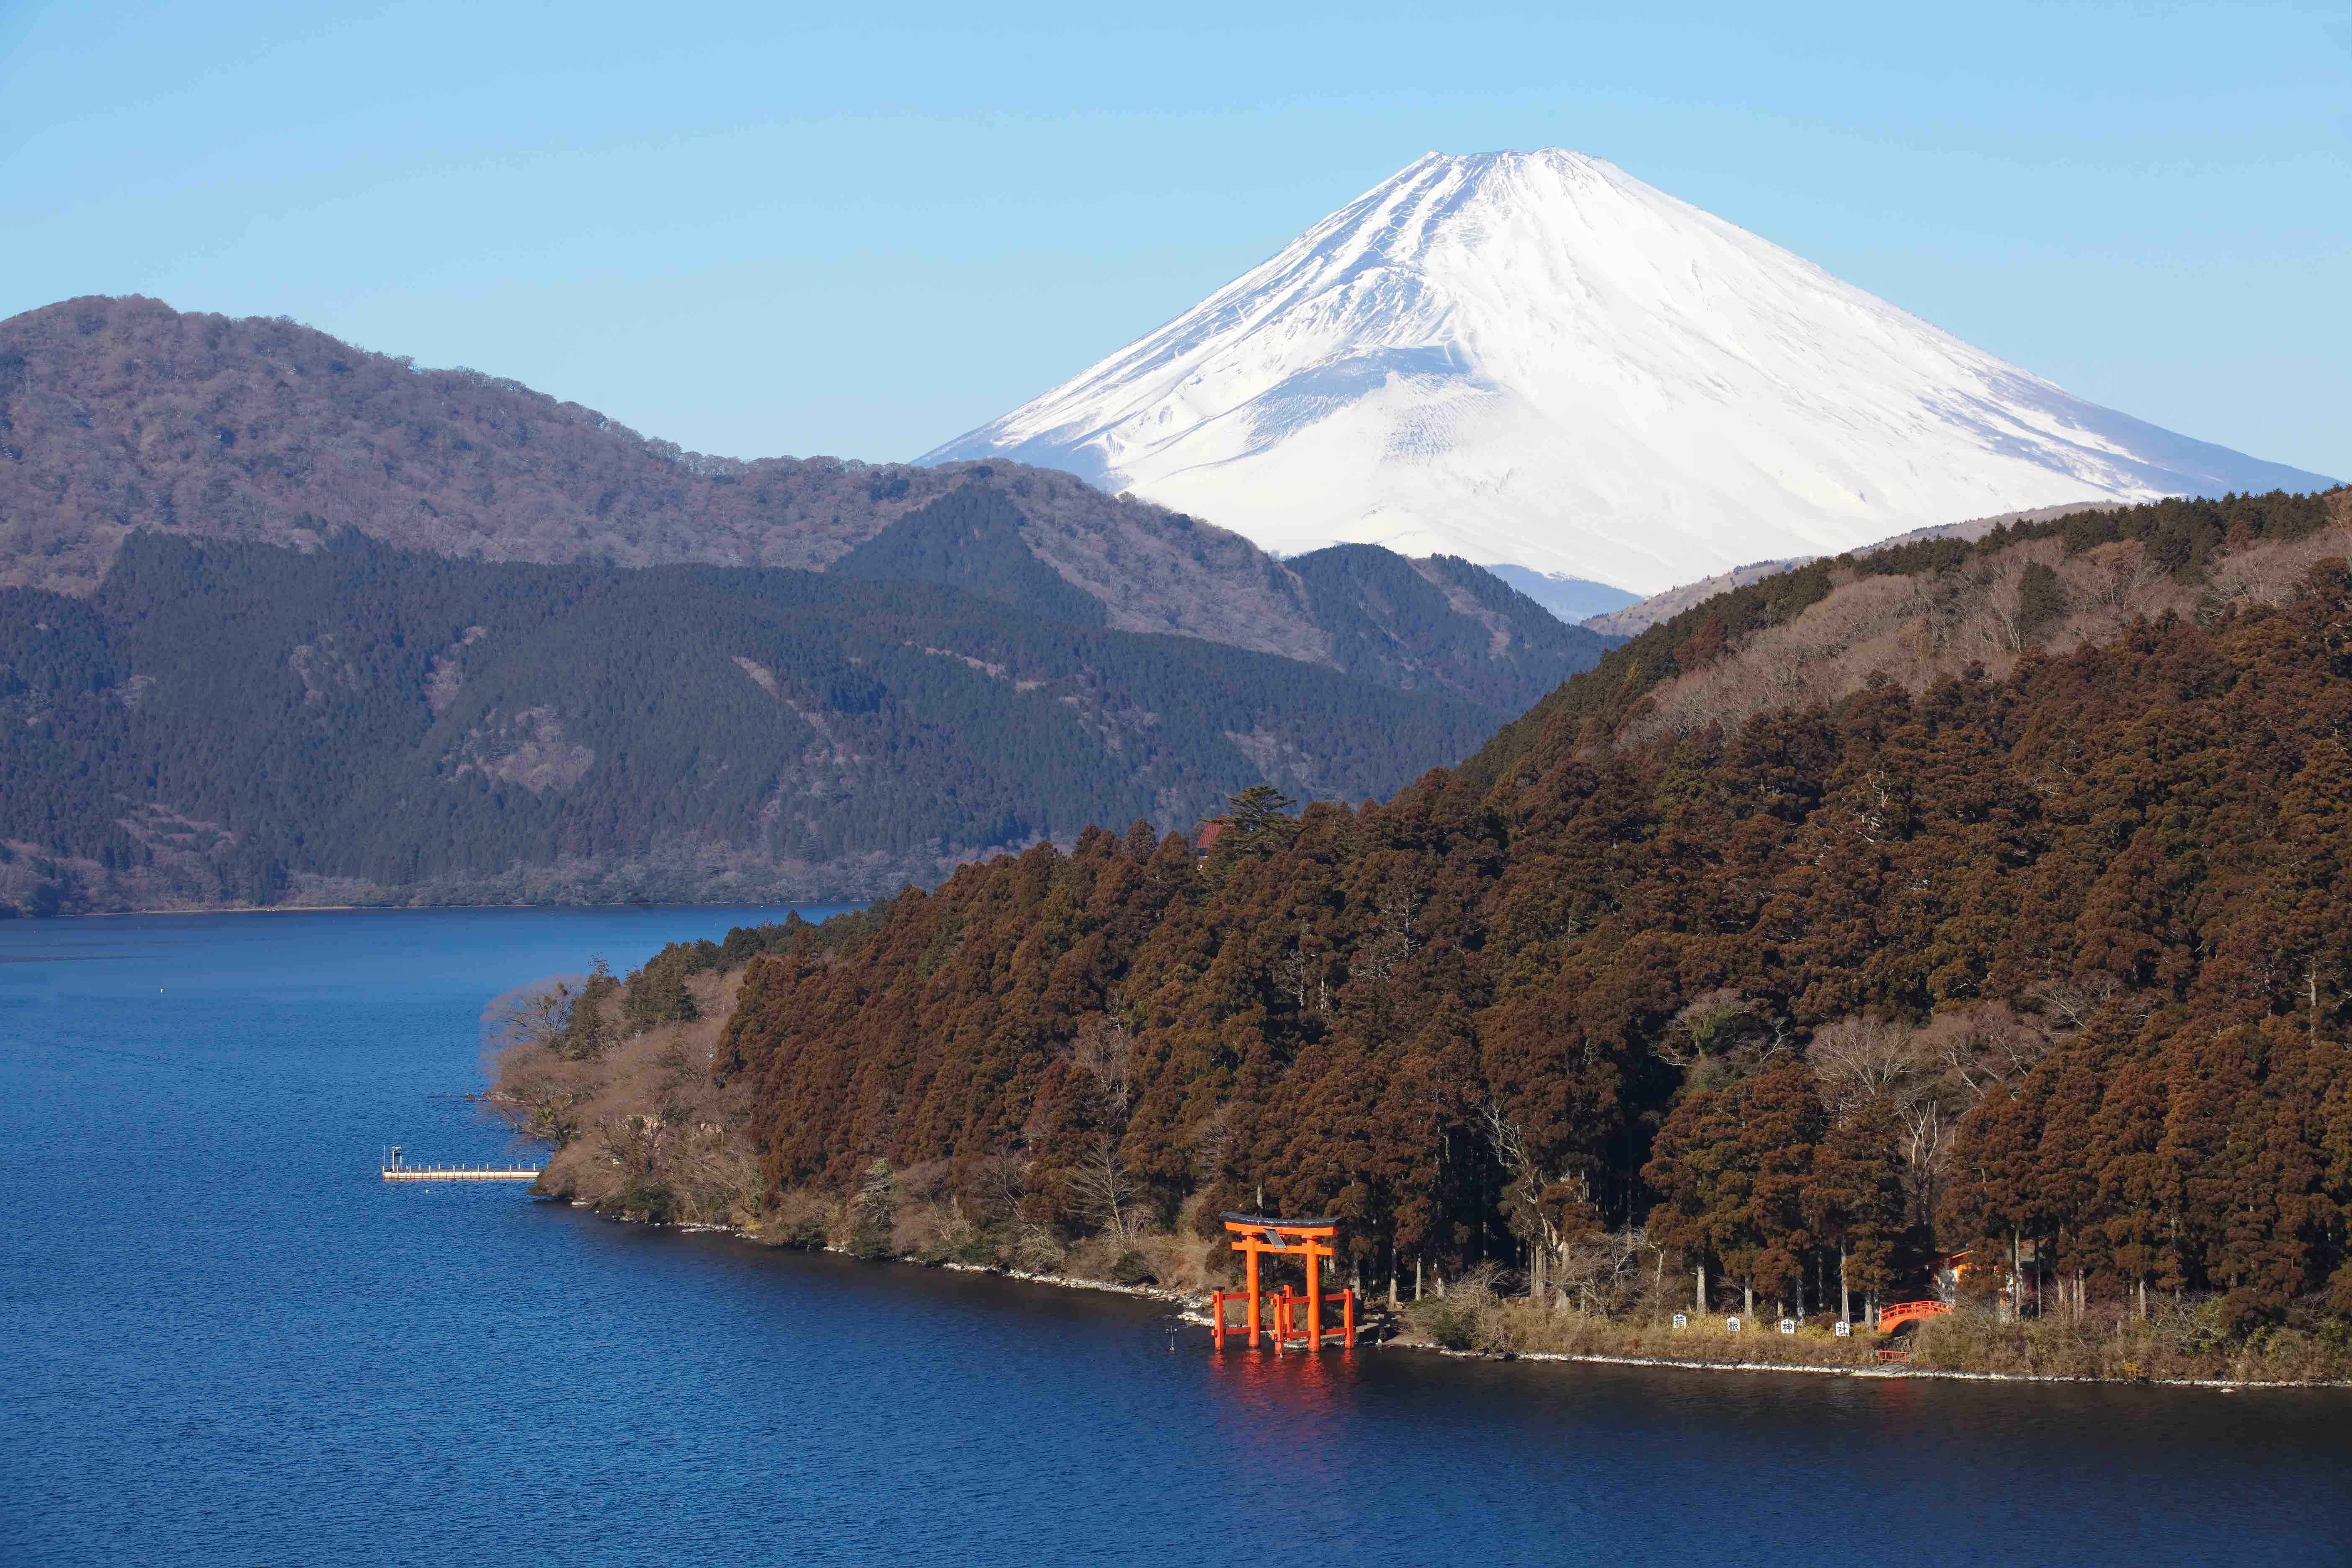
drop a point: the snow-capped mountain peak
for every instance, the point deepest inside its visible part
(1536, 358)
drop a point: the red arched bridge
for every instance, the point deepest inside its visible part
(1905, 1312)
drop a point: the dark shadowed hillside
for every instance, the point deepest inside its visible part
(970, 540)
(229, 722)
(1439, 625)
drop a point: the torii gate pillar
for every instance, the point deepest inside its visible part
(1310, 1239)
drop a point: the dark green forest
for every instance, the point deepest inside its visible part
(2048, 963)
(970, 540)
(233, 722)
(1434, 625)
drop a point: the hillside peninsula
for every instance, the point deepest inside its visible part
(1971, 914)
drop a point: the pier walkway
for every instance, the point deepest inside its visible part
(396, 1169)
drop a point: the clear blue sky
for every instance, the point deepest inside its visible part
(861, 229)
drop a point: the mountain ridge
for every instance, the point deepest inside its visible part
(1632, 620)
(125, 414)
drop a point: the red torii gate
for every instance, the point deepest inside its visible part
(1257, 1234)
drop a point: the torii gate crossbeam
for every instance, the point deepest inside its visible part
(1255, 1236)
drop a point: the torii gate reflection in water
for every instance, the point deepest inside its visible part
(1257, 1234)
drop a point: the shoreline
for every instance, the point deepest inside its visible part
(2218, 1384)
(224, 910)
(1193, 1311)
(407, 908)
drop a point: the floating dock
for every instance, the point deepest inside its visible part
(396, 1169)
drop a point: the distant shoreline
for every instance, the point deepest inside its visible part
(1194, 1312)
(225, 910)
(409, 909)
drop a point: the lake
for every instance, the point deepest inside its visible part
(226, 1340)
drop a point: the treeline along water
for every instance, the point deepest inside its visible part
(226, 1340)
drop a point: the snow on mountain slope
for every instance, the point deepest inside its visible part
(1536, 358)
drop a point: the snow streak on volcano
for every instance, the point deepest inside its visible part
(1536, 358)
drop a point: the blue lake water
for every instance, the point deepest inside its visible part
(223, 1340)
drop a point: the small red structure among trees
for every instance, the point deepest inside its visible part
(1296, 1319)
(1902, 1312)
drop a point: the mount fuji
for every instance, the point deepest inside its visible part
(1534, 358)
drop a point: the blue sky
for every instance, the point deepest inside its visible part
(762, 230)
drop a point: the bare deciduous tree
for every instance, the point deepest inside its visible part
(1213, 1143)
(534, 1090)
(1858, 1060)
(1395, 933)
(1601, 1270)
(1534, 1194)
(528, 1015)
(1990, 1045)
(874, 1211)
(1099, 1186)
(1006, 1179)
(1866, 1061)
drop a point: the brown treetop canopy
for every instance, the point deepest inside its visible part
(2036, 933)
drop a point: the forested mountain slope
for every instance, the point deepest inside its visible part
(1632, 620)
(118, 414)
(226, 723)
(1438, 624)
(1983, 894)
